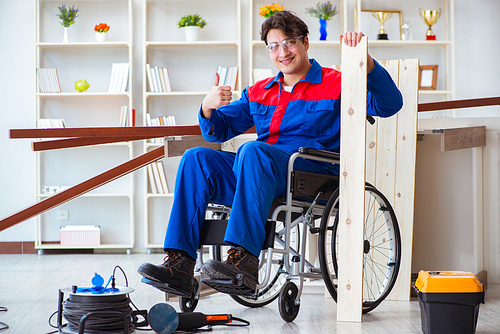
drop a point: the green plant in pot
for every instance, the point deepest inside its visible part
(191, 24)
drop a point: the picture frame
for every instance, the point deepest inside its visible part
(427, 77)
(371, 26)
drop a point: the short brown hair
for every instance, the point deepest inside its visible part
(287, 21)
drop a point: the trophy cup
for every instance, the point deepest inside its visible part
(430, 17)
(382, 17)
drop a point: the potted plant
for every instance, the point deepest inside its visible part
(324, 12)
(101, 32)
(68, 17)
(268, 10)
(191, 24)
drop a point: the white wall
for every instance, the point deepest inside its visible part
(477, 75)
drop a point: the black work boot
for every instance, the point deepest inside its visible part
(241, 268)
(175, 275)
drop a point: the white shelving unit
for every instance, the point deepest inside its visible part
(111, 207)
(441, 51)
(191, 67)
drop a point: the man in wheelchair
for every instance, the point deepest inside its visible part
(298, 107)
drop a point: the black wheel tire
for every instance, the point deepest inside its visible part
(329, 265)
(188, 304)
(286, 302)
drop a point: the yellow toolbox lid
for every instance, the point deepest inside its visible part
(447, 281)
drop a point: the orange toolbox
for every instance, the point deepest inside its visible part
(449, 301)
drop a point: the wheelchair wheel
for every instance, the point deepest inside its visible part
(278, 274)
(188, 304)
(286, 303)
(382, 247)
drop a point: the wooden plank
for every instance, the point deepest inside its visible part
(386, 140)
(82, 188)
(457, 104)
(460, 138)
(352, 182)
(177, 146)
(385, 177)
(405, 172)
(77, 142)
(121, 132)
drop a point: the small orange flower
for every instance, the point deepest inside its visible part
(101, 27)
(269, 10)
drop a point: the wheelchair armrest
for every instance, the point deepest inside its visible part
(320, 153)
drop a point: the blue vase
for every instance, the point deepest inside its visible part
(322, 29)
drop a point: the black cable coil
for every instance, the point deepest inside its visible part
(73, 311)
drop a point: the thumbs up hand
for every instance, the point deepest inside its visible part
(218, 96)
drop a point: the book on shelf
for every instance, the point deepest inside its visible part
(48, 80)
(118, 81)
(159, 121)
(228, 76)
(157, 178)
(261, 73)
(163, 177)
(127, 116)
(158, 79)
(151, 178)
(46, 123)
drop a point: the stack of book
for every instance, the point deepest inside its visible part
(45, 123)
(119, 78)
(127, 116)
(157, 178)
(159, 121)
(158, 79)
(48, 80)
(228, 76)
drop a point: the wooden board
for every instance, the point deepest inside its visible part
(352, 182)
(405, 172)
(176, 146)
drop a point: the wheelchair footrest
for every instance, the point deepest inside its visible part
(165, 287)
(240, 285)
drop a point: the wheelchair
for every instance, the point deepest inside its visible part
(310, 206)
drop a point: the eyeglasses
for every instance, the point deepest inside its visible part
(288, 43)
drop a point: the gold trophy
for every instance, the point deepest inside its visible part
(382, 17)
(430, 17)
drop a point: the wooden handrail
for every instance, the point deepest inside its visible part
(457, 104)
(124, 133)
(82, 188)
(74, 137)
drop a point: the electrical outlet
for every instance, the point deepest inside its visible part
(62, 214)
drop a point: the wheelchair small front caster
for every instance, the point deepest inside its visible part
(188, 304)
(286, 302)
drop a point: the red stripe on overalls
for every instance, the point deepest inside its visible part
(274, 128)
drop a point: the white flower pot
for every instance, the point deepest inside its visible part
(101, 36)
(191, 33)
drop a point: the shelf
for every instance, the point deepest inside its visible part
(192, 44)
(106, 246)
(89, 195)
(82, 45)
(435, 92)
(96, 106)
(389, 43)
(149, 195)
(149, 94)
(84, 95)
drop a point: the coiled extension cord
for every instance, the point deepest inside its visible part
(100, 323)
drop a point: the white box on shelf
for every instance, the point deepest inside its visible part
(80, 235)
